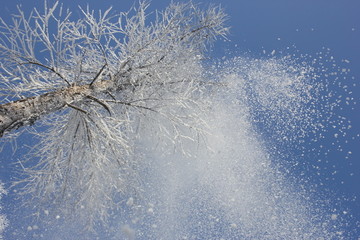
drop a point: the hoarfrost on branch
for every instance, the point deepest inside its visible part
(94, 83)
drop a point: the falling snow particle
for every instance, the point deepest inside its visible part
(128, 232)
(130, 201)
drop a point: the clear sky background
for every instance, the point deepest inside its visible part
(306, 27)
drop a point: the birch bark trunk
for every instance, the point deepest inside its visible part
(26, 111)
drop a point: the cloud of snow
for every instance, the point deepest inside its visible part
(233, 185)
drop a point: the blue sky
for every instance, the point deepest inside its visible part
(304, 27)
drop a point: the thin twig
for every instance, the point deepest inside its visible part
(101, 103)
(131, 105)
(77, 108)
(98, 74)
(49, 68)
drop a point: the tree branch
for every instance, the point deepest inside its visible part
(49, 68)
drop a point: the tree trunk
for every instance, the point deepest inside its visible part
(26, 111)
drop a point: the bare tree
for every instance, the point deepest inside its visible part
(93, 82)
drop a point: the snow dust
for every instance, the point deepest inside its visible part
(236, 183)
